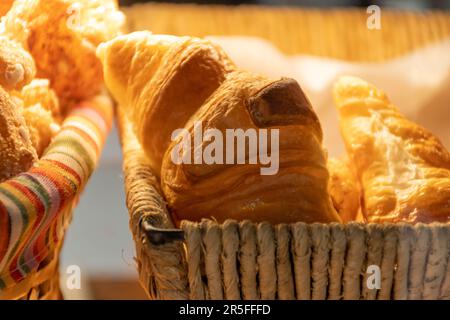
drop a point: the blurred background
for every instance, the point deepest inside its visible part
(404, 4)
(99, 240)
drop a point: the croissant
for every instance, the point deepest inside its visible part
(344, 189)
(161, 80)
(16, 150)
(404, 170)
(295, 191)
(62, 36)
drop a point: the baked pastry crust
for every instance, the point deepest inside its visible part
(38, 91)
(62, 36)
(17, 67)
(161, 81)
(56, 40)
(404, 170)
(297, 192)
(17, 152)
(344, 189)
(40, 108)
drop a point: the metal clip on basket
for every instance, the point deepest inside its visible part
(159, 236)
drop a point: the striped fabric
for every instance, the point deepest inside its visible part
(35, 205)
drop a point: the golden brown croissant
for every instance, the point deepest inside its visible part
(403, 169)
(344, 189)
(16, 150)
(161, 80)
(296, 191)
(62, 36)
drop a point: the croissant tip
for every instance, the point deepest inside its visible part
(343, 83)
(348, 88)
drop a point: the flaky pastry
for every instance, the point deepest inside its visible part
(297, 191)
(17, 66)
(62, 36)
(404, 170)
(38, 91)
(161, 80)
(40, 108)
(16, 150)
(344, 189)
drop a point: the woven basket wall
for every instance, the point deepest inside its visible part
(297, 261)
(44, 283)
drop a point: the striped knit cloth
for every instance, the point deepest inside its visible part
(35, 205)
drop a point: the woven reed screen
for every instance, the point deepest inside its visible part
(337, 33)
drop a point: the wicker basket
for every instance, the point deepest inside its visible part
(36, 206)
(246, 260)
(41, 284)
